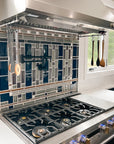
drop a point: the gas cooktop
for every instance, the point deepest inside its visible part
(42, 121)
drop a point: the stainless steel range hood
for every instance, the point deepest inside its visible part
(79, 15)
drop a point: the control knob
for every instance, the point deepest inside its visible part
(110, 123)
(104, 128)
(113, 119)
(84, 139)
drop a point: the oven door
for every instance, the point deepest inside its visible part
(109, 140)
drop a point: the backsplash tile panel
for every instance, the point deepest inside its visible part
(32, 82)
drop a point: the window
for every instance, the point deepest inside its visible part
(111, 48)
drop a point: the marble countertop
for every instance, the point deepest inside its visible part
(101, 98)
(7, 136)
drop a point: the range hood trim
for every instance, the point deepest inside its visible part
(53, 11)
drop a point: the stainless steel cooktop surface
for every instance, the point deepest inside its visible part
(42, 121)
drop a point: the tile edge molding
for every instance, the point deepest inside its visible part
(35, 86)
(34, 99)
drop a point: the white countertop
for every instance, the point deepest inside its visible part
(7, 136)
(100, 98)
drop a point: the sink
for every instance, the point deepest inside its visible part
(112, 89)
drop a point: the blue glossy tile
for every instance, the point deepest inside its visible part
(74, 74)
(3, 68)
(60, 50)
(45, 65)
(60, 64)
(33, 93)
(28, 49)
(28, 67)
(75, 64)
(4, 97)
(19, 96)
(59, 89)
(45, 47)
(28, 80)
(28, 95)
(45, 77)
(10, 99)
(74, 82)
(3, 49)
(75, 51)
(59, 75)
(4, 83)
(10, 107)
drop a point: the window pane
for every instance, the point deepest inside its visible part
(111, 48)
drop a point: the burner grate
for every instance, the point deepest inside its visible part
(45, 120)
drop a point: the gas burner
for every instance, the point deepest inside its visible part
(24, 118)
(21, 119)
(82, 106)
(66, 122)
(66, 101)
(38, 131)
(42, 121)
(66, 104)
(84, 111)
(46, 111)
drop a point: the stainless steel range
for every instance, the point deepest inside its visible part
(64, 120)
(42, 121)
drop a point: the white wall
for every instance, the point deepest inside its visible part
(89, 81)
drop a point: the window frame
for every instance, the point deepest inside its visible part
(97, 72)
(107, 67)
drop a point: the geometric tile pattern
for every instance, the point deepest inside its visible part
(60, 74)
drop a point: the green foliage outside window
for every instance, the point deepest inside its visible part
(111, 48)
(110, 58)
